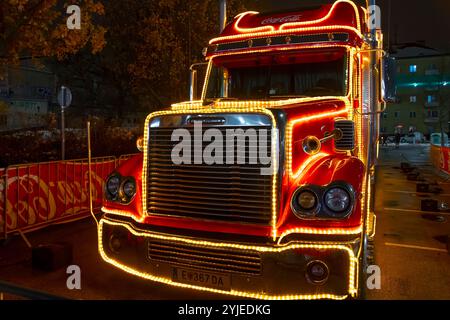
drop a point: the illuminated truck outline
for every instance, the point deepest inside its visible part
(293, 247)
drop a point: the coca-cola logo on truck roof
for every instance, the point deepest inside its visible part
(273, 20)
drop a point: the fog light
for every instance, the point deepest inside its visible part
(115, 243)
(317, 272)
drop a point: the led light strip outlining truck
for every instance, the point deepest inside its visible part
(299, 233)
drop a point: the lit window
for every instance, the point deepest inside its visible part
(413, 68)
(413, 99)
(431, 98)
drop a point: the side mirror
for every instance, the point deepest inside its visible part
(140, 143)
(387, 79)
(193, 85)
(193, 79)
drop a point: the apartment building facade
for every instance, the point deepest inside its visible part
(423, 95)
(26, 93)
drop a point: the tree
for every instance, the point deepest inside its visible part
(150, 45)
(37, 28)
(153, 43)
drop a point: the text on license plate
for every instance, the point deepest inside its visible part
(205, 279)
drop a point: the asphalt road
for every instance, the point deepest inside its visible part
(99, 280)
(414, 262)
(410, 245)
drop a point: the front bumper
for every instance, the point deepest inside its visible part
(282, 273)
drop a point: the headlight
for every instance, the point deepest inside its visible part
(113, 185)
(129, 188)
(337, 199)
(306, 200)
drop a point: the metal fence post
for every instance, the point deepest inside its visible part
(5, 193)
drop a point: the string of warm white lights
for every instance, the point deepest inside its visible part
(290, 27)
(229, 107)
(352, 275)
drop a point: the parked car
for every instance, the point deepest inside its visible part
(390, 139)
(416, 137)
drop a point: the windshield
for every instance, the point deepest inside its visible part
(279, 76)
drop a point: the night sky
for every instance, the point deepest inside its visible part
(411, 20)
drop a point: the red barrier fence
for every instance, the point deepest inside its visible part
(440, 158)
(35, 195)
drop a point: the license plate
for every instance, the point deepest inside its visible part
(201, 278)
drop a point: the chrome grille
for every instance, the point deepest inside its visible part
(225, 192)
(208, 258)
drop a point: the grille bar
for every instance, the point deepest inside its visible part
(216, 259)
(205, 194)
(191, 198)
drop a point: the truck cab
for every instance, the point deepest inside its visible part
(261, 187)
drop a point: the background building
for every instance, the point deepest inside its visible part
(423, 92)
(28, 98)
(26, 94)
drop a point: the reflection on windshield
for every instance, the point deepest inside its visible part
(278, 80)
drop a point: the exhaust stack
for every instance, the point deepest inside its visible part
(223, 14)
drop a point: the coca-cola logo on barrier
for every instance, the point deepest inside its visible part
(276, 20)
(54, 192)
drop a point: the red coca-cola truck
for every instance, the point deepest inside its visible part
(309, 84)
